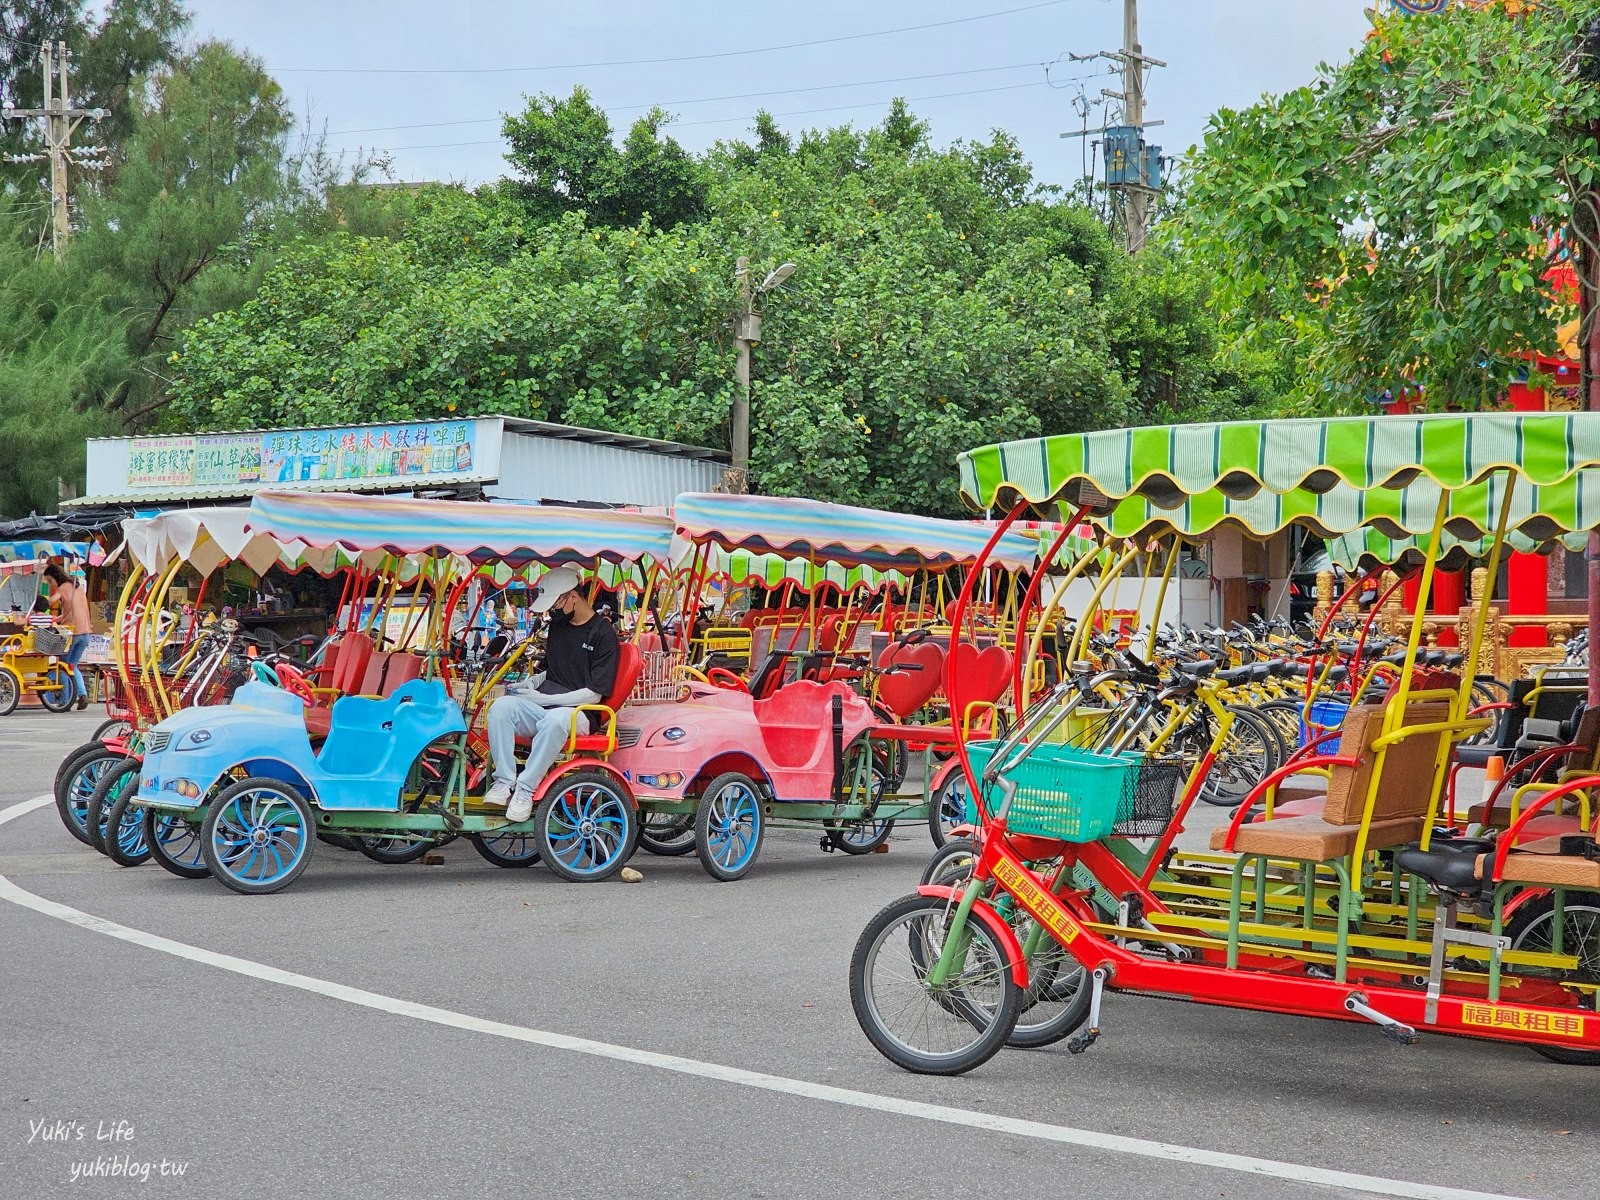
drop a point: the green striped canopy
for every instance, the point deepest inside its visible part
(1367, 549)
(1332, 476)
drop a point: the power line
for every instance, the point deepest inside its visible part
(823, 87)
(803, 112)
(16, 41)
(645, 62)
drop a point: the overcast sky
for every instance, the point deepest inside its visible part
(367, 66)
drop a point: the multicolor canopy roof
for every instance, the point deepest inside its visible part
(514, 534)
(208, 537)
(24, 555)
(738, 568)
(1333, 476)
(839, 533)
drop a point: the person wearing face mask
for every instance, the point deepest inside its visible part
(580, 668)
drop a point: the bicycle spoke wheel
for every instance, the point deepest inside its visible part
(932, 1029)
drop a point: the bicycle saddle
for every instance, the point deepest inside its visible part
(1449, 863)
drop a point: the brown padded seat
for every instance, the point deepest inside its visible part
(1398, 809)
(1314, 839)
(1408, 768)
(1543, 862)
(1550, 822)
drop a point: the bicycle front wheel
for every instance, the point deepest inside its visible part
(942, 1029)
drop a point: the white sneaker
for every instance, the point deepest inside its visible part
(498, 796)
(521, 807)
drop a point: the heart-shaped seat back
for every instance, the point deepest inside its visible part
(907, 690)
(980, 676)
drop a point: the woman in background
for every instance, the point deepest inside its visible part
(71, 606)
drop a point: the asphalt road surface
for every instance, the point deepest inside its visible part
(463, 1030)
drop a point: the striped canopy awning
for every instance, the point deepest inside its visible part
(513, 534)
(839, 533)
(742, 568)
(31, 551)
(1332, 476)
(1367, 549)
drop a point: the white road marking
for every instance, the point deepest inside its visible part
(1086, 1138)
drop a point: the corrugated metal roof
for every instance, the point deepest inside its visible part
(625, 441)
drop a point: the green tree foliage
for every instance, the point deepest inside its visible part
(1393, 221)
(565, 161)
(178, 232)
(200, 194)
(941, 300)
(113, 48)
(58, 356)
(938, 304)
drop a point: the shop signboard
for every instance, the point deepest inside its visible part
(399, 454)
(161, 462)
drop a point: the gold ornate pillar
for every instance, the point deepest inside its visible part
(1392, 617)
(1324, 605)
(1489, 655)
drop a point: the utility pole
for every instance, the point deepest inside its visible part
(60, 121)
(1133, 168)
(746, 333)
(1136, 210)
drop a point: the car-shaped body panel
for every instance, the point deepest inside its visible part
(362, 766)
(787, 739)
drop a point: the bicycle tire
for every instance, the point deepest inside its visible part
(977, 1007)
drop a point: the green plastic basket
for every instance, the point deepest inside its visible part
(1063, 792)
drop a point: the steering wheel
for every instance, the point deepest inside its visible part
(293, 680)
(723, 678)
(688, 672)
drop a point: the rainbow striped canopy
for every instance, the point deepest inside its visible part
(842, 534)
(513, 534)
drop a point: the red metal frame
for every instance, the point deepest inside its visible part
(1545, 1013)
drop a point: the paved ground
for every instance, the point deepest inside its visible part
(259, 1089)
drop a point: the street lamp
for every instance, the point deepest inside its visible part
(746, 333)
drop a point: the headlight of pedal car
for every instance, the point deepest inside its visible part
(670, 736)
(194, 739)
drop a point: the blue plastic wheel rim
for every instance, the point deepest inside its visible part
(130, 832)
(61, 694)
(953, 806)
(180, 841)
(81, 789)
(735, 822)
(517, 847)
(586, 828)
(259, 837)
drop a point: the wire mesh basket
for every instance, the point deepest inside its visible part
(659, 681)
(1076, 795)
(1155, 797)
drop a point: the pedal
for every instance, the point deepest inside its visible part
(1090, 1033)
(826, 843)
(1395, 1031)
(449, 818)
